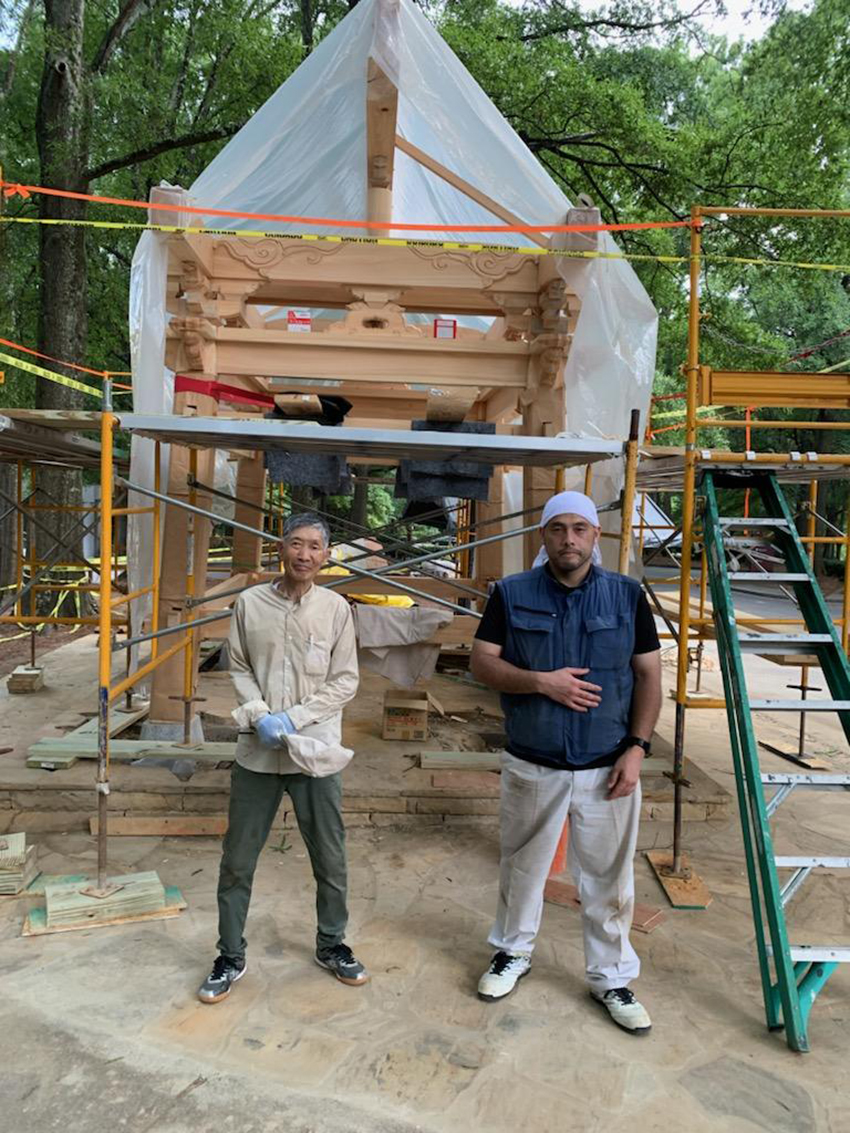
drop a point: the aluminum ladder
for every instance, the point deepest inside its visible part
(791, 975)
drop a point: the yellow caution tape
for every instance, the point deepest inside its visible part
(381, 241)
(683, 412)
(447, 245)
(51, 375)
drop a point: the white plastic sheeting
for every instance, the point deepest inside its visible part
(153, 388)
(304, 154)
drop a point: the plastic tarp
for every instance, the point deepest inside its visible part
(304, 154)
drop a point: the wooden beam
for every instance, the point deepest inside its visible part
(460, 760)
(163, 826)
(773, 387)
(372, 357)
(381, 115)
(467, 189)
(329, 268)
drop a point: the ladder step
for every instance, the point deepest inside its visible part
(782, 642)
(744, 521)
(819, 953)
(766, 576)
(800, 705)
(796, 861)
(757, 544)
(799, 779)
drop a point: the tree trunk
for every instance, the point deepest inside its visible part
(360, 502)
(62, 122)
(307, 25)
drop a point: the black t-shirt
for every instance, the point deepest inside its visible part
(493, 627)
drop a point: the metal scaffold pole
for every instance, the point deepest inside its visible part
(105, 639)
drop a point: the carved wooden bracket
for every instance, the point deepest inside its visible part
(197, 338)
(490, 266)
(264, 255)
(554, 307)
(376, 316)
(549, 353)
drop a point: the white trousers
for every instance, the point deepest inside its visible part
(535, 802)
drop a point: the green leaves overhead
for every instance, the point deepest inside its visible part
(633, 104)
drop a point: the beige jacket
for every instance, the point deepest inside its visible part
(294, 657)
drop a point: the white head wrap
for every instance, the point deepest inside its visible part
(570, 503)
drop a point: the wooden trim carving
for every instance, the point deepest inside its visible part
(491, 266)
(263, 255)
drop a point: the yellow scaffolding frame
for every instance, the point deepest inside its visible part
(739, 383)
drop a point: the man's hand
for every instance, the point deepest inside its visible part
(625, 773)
(565, 687)
(272, 728)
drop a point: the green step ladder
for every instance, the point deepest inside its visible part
(791, 975)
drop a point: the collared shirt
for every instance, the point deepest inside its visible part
(298, 657)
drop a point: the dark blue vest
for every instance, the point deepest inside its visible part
(550, 626)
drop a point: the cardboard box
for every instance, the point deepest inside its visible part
(405, 715)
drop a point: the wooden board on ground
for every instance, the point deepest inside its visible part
(133, 894)
(645, 919)
(24, 679)
(460, 760)
(465, 780)
(13, 881)
(13, 851)
(682, 893)
(56, 755)
(792, 754)
(36, 886)
(164, 826)
(119, 721)
(35, 923)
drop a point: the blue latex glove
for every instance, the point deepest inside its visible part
(289, 728)
(273, 727)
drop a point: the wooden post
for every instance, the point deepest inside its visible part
(488, 559)
(381, 112)
(250, 487)
(542, 416)
(173, 575)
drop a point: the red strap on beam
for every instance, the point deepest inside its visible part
(221, 391)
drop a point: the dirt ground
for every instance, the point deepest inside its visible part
(17, 650)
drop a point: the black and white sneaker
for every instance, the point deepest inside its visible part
(218, 983)
(625, 1010)
(340, 960)
(505, 971)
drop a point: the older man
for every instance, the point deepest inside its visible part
(294, 663)
(574, 651)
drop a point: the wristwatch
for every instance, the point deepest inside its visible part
(636, 741)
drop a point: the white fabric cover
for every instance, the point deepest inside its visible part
(304, 154)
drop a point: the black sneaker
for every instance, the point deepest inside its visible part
(340, 960)
(224, 974)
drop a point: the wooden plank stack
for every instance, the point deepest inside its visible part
(460, 760)
(25, 678)
(17, 864)
(68, 905)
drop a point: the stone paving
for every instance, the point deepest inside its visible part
(100, 1030)
(415, 1049)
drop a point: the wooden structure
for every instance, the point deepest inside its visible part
(226, 294)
